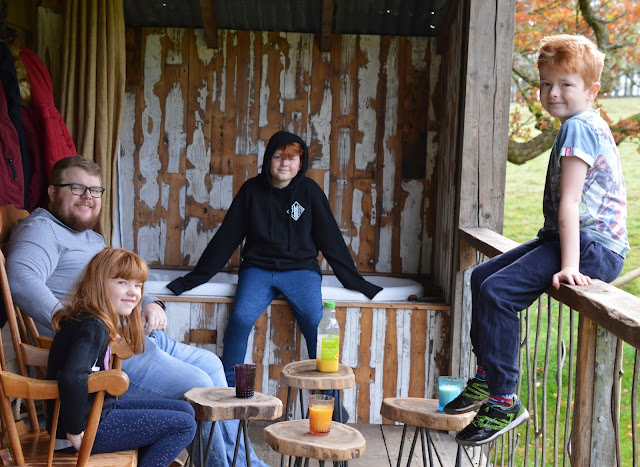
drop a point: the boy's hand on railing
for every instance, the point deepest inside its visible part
(571, 276)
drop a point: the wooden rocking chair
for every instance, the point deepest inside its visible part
(37, 446)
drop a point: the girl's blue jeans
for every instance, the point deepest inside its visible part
(509, 283)
(161, 428)
(257, 288)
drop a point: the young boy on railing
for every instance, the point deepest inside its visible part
(584, 236)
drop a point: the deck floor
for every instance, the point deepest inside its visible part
(383, 444)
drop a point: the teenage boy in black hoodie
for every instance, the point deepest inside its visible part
(284, 218)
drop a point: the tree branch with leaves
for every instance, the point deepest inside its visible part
(613, 26)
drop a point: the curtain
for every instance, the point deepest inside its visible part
(93, 83)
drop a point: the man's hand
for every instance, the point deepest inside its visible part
(76, 440)
(571, 276)
(153, 317)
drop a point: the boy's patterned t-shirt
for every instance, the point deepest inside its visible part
(603, 209)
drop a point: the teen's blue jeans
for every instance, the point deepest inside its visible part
(257, 288)
(509, 283)
(166, 370)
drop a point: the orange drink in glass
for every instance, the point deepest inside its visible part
(320, 414)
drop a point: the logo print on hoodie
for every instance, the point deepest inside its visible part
(296, 211)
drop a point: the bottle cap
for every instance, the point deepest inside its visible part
(329, 304)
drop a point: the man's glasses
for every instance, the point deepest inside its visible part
(79, 189)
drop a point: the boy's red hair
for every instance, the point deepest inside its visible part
(292, 150)
(572, 54)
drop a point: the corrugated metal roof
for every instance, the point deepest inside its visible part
(379, 17)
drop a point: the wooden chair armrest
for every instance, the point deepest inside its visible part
(115, 382)
(24, 387)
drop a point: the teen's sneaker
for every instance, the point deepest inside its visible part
(471, 398)
(491, 421)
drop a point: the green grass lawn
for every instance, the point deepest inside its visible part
(522, 219)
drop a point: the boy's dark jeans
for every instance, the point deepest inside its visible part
(509, 283)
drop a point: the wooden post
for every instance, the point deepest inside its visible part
(583, 407)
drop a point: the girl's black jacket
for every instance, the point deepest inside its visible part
(78, 349)
(283, 229)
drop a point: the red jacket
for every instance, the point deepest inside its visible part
(47, 137)
(11, 177)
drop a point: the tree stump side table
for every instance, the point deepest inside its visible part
(217, 404)
(304, 375)
(292, 438)
(424, 415)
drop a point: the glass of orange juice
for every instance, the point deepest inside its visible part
(320, 413)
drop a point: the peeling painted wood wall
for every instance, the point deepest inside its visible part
(197, 121)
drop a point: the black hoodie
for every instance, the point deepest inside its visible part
(284, 228)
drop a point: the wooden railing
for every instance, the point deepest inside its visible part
(606, 314)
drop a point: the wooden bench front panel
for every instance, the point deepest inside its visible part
(395, 350)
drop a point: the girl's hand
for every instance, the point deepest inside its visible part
(571, 276)
(76, 440)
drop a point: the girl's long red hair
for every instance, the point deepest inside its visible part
(89, 295)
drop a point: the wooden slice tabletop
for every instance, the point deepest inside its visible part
(214, 404)
(304, 375)
(417, 411)
(292, 438)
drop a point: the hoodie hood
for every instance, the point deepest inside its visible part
(278, 140)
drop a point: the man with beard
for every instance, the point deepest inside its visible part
(46, 253)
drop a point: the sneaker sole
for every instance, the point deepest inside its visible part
(471, 408)
(514, 424)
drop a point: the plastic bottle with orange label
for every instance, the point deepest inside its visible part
(328, 346)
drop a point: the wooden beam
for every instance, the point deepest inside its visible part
(209, 23)
(327, 25)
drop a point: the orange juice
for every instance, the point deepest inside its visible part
(320, 419)
(327, 366)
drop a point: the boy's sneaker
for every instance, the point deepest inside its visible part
(492, 421)
(471, 398)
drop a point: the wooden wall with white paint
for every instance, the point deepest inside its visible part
(197, 121)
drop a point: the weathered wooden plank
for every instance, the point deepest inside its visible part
(486, 241)
(296, 84)
(320, 108)
(149, 228)
(364, 218)
(367, 56)
(393, 355)
(583, 406)
(416, 62)
(222, 131)
(418, 352)
(174, 143)
(271, 120)
(246, 82)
